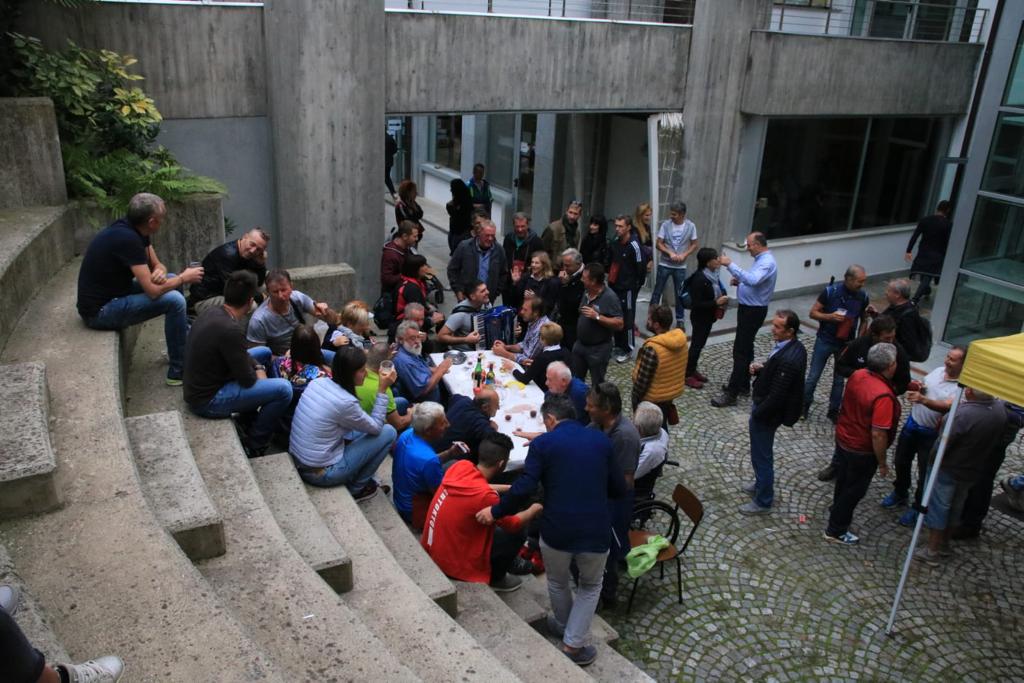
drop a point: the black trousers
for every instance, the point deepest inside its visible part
(504, 549)
(625, 339)
(699, 338)
(912, 445)
(853, 477)
(748, 321)
(21, 662)
(980, 496)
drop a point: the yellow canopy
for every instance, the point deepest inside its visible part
(996, 366)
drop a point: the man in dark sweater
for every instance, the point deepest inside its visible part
(854, 355)
(570, 291)
(222, 378)
(470, 420)
(626, 274)
(933, 232)
(248, 252)
(577, 469)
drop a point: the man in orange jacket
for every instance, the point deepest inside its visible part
(660, 369)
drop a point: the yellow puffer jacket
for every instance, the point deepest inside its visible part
(671, 348)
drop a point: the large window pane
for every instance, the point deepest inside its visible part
(898, 168)
(1015, 85)
(808, 175)
(1004, 172)
(502, 148)
(983, 309)
(995, 244)
(448, 141)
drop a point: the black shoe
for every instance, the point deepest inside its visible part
(367, 492)
(833, 416)
(741, 392)
(521, 566)
(827, 473)
(723, 400)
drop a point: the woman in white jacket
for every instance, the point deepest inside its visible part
(333, 441)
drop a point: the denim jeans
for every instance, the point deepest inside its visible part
(270, 397)
(576, 614)
(819, 357)
(853, 477)
(678, 276)
(762, 458)
(360, 460)
(947, 501)
(137, 307)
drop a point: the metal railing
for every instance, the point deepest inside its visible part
(650, 11)
(899, 19)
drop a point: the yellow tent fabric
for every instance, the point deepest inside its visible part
(996, 366)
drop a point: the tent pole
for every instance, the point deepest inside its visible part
(932, 475)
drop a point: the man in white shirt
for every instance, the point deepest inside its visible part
(676, 240)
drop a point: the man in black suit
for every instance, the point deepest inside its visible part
(776, 400)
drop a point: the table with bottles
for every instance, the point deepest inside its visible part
(520, 405)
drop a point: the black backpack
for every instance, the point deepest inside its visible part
(914, 333)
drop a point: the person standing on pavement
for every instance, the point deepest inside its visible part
(626, 274)
(600, 317)
(775, 401)
(842, 313)
(755, 289)
(390, 149)
(563, 233)
(519, 246)
(594, 244)
(659, 371)
(407, 208)
(570, 291)
(854, 355)
(478, 259)
(868, 419)
(933, 232)
(707, 304)
(677, 239)
(460, 214)
(480, 189)
(979, 498)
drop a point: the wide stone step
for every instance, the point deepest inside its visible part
(291, 612)
(28, 467)
(30, 615)
(513, 641)
(535, 588)
(407, 551)
(172, 484)
(394, 607)
(301, 523)
(102, 567)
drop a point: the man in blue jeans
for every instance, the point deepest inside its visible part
(222, 378)
(840, 311)
(676, 240)
(122, 282)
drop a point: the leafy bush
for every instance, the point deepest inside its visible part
(107, 124)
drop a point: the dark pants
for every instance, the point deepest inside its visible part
(701, 331)
(853, 476)
(504, 549)
(593, 359)
(621, 511)
(762, 459)
(913, 444)
(22, 662)
(925, 287)
(454, 240)
(626, 339)
(980, 496)
(387, 179)
(748, 321)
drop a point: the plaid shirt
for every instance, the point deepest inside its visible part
(647, 366)
(531, 344)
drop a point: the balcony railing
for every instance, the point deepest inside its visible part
(651, 11)
(899, 19)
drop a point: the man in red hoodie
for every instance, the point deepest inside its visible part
(463, 548)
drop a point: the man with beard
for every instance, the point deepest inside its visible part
(418, 380)
(564, 232)
(659, 372)
(519, 245)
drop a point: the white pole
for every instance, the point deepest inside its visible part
(924, 504)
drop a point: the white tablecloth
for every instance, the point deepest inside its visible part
(516, 404)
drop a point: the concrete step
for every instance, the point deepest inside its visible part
(102, 566)
(30, 615)
(34, 244)
(291, 612)
(391, 604)
(513, 641)
(172, 484)
(301, 523)
(536, 587)
(28, 467)
(407, 551)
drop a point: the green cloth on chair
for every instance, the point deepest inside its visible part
(642, 558)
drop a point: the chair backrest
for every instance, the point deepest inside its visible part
(691, 507)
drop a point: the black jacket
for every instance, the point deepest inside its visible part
(626, 265)
(594, 247)
(854, 356)
(464, 263)
(569, 296)
(778, 389)
(702, 298)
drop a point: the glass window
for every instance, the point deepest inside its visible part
(995, 244)
(502, 147)
(982, 309)
(1015, 85)
(448, 141)
(1004, 172)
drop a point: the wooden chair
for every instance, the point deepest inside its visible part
(667, 517)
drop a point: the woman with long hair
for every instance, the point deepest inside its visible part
(333, 441)
(594, 245)
(539, 281)
(460, 214)
(707, 304)
(406, 208)
(304, 361)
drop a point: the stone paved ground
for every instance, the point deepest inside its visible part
(766, 599)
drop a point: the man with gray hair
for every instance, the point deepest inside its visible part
(122, 281)
(419, 382)
(478, 259)
(866, 428)
(648, 419)
(416, 469)
(570, 291)
(913, 332)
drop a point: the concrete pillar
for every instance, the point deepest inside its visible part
(544, 165)
(420, 148)
(326, 123)
(711, 117)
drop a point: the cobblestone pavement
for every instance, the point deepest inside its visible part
(766, 599)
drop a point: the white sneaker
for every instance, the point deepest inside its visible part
(100, 670)
(10, 598)
(622, 358)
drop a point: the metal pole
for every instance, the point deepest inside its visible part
(932, 475)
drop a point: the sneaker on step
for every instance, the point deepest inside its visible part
(894, 500)
(827, 473)
(10, 598)
(173, 381)
(845, 539)
(908, 518)
(506, 584)
(100, 670)
(585, 656)
(367, 492)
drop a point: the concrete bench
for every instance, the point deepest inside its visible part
(301, 523)
(30, 615)
(290, 611)
(102, 566)
(389, 602)
(521, 648)
(28, 467)
(172, 484)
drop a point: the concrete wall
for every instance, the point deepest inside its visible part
(626, 183)
(31, 169)
(800, 75)
(555, 65)
(199, 62)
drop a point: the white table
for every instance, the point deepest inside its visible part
(516, 404)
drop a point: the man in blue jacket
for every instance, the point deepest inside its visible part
(576, 467)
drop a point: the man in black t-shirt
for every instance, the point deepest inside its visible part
(249, 252)
(122, 282)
